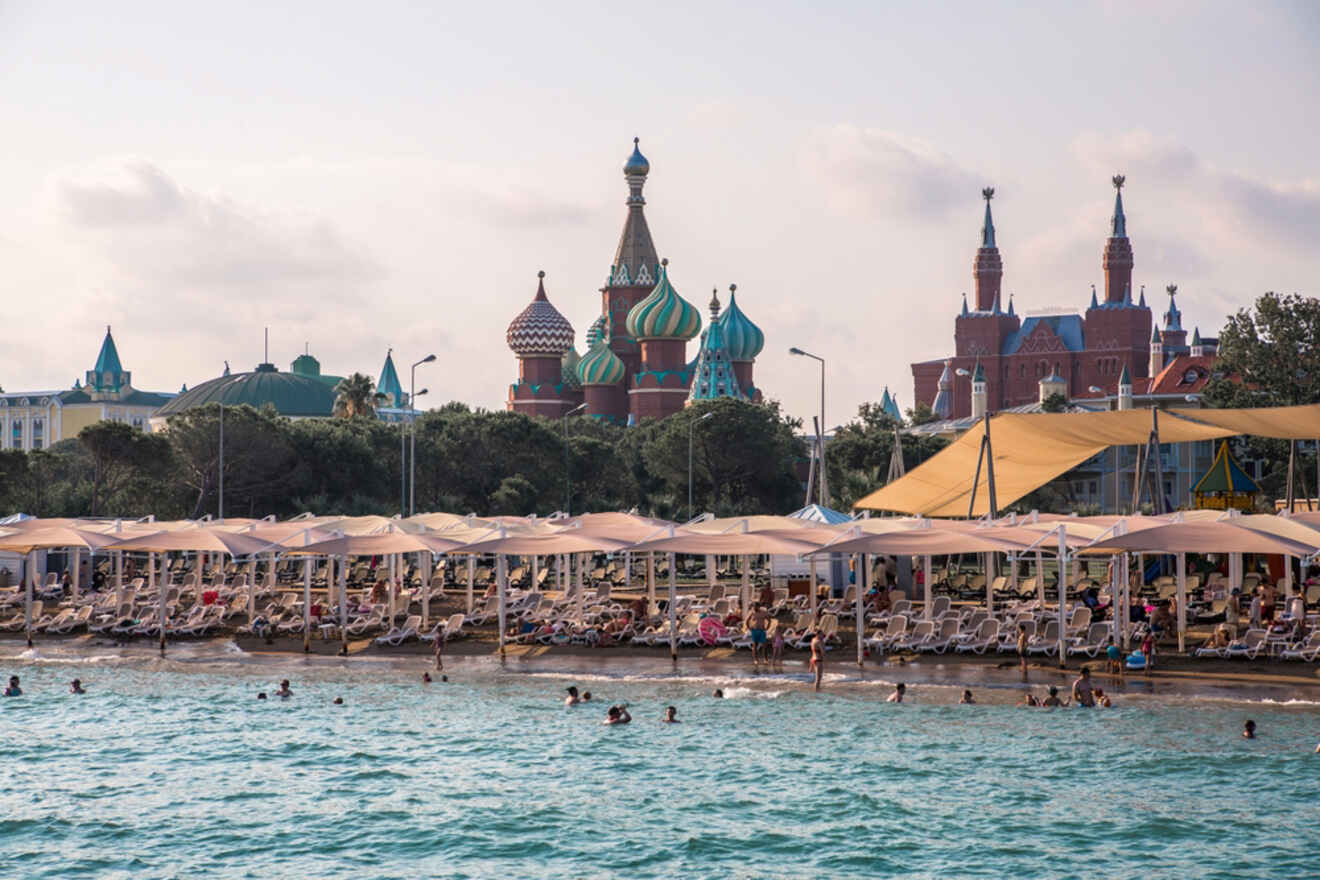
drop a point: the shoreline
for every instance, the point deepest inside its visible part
(1276, 681)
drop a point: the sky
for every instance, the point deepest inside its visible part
(360, 177)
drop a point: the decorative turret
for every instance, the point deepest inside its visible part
(107, 378)
(1142, 303)
(389, 384)
(1117, 260)
(1051, 385)
(1156, 352)
(1198, 349)
(980, 392)
(662, 323)
(889, 403)
(539, 330)
(568, 370)
(1094, 304)
(1011, 313)
(744, 340)
(988, 268)
(600, 372)
(942, 406)
(713, 374)
(1173, 317)
(1125, 388)
(664, 315)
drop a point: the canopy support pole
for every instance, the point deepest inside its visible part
(1063, 597)
(928, 611)
(988, 563)
(343, 603)
(471, 579)
(673, 610)
(1182, 602)
(857, 601)
(581, 587)
(151, 578)
(74, 571)
(307, 604)
(1290, 493)
(650, 581)
(1012, 573)
(27, 608)
(536, 571)
(501, 588)
(1040, 580)
(745, 585)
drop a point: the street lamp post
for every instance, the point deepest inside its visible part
(691, 428)
(568, 479)
(824, 489)
(412, 432)
(1113, 454)
(221, 505)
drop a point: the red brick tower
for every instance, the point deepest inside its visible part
(987, 268)
(1117, 260)
(980, 335)
(1118, 332)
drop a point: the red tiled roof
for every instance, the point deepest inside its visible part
(1182, 375)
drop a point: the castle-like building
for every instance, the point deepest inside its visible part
(1001, 362)
(635, 365)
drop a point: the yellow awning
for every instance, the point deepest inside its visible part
(1030, 449)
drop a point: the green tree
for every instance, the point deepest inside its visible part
(920, 413)
(120, 454)
(1055, 403)
(258, 457)
(1269, 355)
(744, 459)
(356, 397)
(858, 454)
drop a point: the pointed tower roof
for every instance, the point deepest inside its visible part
(1127, 295)
(108, 375)
(635, 260)
(1125, 377)
(1155, 335)
(663, 314)
(389, 384)
(891, 406)
(744, 339)
(1173, 317)
(539, 329)
(1196, 336)
(1118, 223)
(964, 308)
(1095, 304)
(943, 404)
(713, 376)
(885, 400)
(1142, 302)
(1011, 313)
(978, 374)
(108, 359)
(988, 226)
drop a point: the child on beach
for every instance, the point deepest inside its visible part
(777, 647)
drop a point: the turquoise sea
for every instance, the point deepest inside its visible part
(172, 769)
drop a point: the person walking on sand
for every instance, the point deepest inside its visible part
(818, 657)
(1022, 641)
(757, 623)
(439, 652)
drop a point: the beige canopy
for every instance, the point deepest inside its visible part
(929, 541)
(1224, 536)
(51, 537)
(789, 543)
(374, 545)
(566, 541)
(199, 540)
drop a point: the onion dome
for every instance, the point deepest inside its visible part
(539, 329)
(596, 331)
(569, 370)
(600, 365)
(637, 163)
(664, 314)
(743, 338)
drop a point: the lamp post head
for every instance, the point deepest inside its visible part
(420, 393)
(428, 358)
(796, 351)
(962, 372)
(577, 409)
(709, 415)
(1096, 389)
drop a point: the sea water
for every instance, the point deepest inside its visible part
(171, 768)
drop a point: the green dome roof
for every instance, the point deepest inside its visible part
(595, 331)
(743, 338)
(569, 372)
(664, 314)
(290, 394)
(600, 366)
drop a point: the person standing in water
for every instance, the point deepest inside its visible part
(284, 693)
(818, 657)
(671, 715)
(572, 699)
(1081, 689)
(13, 690)
(757, 623)
(897, 696)
(1249, 730)
(1022, 641)
(75, 686)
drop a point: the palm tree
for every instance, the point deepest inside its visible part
(356, 396)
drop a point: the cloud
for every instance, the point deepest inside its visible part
(157, 232)
(1231, 204)
(872, 172)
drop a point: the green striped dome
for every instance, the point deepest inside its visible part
(600, 366)
(595, 331)
(743, 338)
(664, 314)
(569, 372)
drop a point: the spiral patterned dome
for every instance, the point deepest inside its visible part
(569, 370)
(743, 338)
(539, 329)
(664, 314)
(600, 366)
(595, 331)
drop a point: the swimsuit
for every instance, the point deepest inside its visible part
(758, 637)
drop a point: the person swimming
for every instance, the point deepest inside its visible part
(261, 695)
(284, 693)
(572, 699)
(13, 690)
(586, 696)
(444, 678)
(967, 699)
(671, 716)
(339, 701)
(1102, 699)
(1053, 699)
(718, 694)
(897, 696)
(75, 686)
(1249, 730)
(1029, 700)
(426, 678)
(617, 715)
